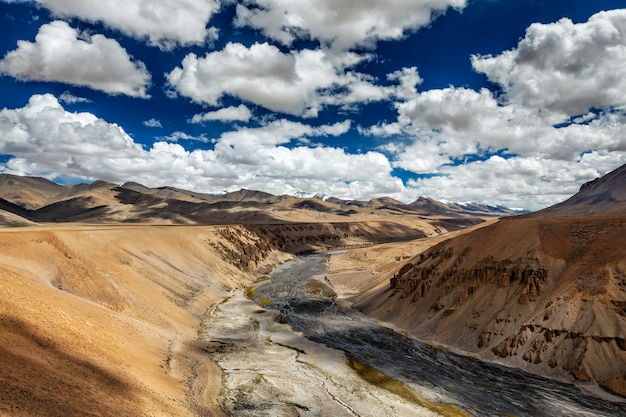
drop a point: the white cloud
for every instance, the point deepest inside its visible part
(520, 182)
(557, 72)
(341, 24)
(181, 136)
(563, 68)
(46, 140)
(152, 123)
(264, 162)
(260, 74)
(547, 121)
(445, 130)
(408, 79)
(240, 113)
(274, 133)
(60, 53)
(299, 83)
(164, 23)
(449, 123)
(69, 98)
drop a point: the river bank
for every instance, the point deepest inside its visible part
(297, 290)
(271, 370)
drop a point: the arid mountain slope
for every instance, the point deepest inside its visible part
(29, 192)
(431, 206)
(41, 201)
(104, 320)
(546, 293)
(103, 287)
(600, 197)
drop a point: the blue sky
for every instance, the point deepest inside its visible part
(500, 102)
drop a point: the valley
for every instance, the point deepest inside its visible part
(132, 301)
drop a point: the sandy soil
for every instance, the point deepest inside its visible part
(103, 320)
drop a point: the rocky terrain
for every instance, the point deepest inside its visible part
(545, 292)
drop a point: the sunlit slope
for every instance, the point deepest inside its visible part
(545, 292)
(103, 321)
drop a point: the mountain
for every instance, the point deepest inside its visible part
(103, 301)
(24, 200)
(429, 205)
(600, 197)
(173, 193)
(30, 192)
(545, 292)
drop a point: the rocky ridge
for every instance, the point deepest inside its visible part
(24, 200)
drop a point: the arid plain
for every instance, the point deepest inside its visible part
(106, 289)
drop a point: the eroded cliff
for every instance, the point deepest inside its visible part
(546, 295)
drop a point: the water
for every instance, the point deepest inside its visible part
(482, 389)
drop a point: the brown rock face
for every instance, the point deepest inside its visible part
(617, 385)
(544, 294)
(418, 280)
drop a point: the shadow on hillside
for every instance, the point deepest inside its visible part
(39, 378)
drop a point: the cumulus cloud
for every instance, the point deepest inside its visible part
(470, 147)
(163, 23)
(298, 83)
(62, 54)
(283, 169)
(408, 79)
(341, 24)
(240, 113)
(45, 139)
(152, 123)
(182, 136)
(563, 68)
(558, 121)
(519, 182)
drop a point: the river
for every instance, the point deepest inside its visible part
(297, 290)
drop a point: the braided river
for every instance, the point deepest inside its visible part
(301, 313)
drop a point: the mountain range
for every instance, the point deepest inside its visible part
(27, 200)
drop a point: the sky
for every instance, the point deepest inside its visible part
(501, 102)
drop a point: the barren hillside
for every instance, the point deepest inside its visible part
(103, 321)
(544, 292)
(104, 287)
(25, 200)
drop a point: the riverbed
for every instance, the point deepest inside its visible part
(297, 352)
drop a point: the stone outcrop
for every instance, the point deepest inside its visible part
(544, 294)
(300, 238)
(443, 271)
(241, 247)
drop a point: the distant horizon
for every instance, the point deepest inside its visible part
(303, 195)
(504, 103)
